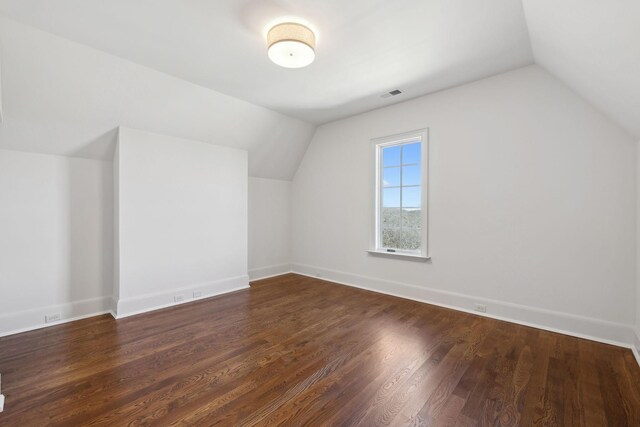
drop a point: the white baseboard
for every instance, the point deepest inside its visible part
(28, 320)
(636, 344)
(618, 334)
(143, 303)
(269, 271)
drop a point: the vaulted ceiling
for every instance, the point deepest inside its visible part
(61, 97)
(593, 46)
(73, 70)
(365, 47)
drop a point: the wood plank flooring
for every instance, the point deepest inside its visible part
(297, 351)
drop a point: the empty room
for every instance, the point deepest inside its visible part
(319, 212)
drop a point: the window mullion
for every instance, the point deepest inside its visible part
(380, 194)
(400, 236)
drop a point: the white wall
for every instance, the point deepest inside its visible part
(56, 238)
(182, 219)
(1, 82)
(115, 287)
(269, 227)
(531, 206)
(637, 324)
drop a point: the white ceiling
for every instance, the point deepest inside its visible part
(61, 97)
(594, 47)
(166, 65)
(365, 47)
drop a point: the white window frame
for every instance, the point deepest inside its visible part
(377, 145)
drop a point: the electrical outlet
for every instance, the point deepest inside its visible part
(178, 298)
(1, 396)
(52, 317)
(197, 294)
(481, 308)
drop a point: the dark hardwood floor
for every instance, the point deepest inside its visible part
(297, 351)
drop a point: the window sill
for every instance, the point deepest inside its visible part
(399, 255)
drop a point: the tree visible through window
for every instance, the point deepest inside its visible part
(400, 220)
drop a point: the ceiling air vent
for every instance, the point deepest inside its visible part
(392, 93)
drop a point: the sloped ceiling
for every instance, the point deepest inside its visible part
(64, 98)
(593, 46)
(365, 47)
(74, 70)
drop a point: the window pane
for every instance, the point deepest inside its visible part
(401, 207)
(410, 239)
(411, 175)
(391, 156)
(390, 217)
(412, 218)
(390, 238)
(411, 153)
(391, 177)
(411, 197)
(391, 198)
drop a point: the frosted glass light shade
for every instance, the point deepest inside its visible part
(291, 45)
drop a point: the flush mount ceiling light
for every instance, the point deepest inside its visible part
(291, 45)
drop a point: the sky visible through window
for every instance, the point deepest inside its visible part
(401, 196)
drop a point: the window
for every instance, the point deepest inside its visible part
(400, 195)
